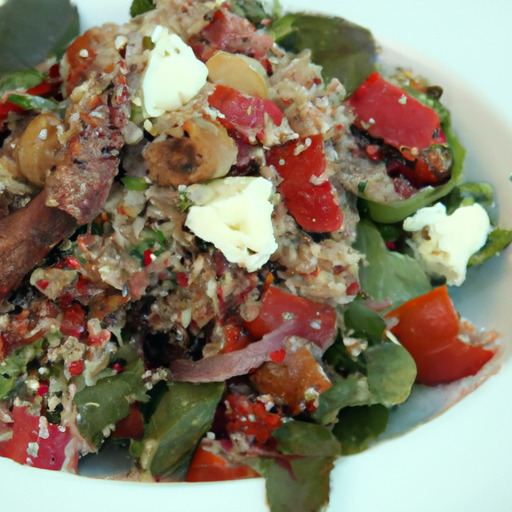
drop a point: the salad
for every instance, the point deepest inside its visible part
(235, 277)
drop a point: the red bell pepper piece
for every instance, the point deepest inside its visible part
(209, 467)
(37, 443)
(314, 206)
(243, 113)
(428, 327)
(387, 112)
(315, 321)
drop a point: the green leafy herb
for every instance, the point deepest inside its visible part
(389, 275)
(101, 406)
(30, 32)
(134, 183)
(359, 426)
(301, 484)
(344, 50)
(15, 365)
(183, 415)
(140, 7)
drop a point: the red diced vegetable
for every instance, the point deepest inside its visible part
(234, 337)
(36, 442)
(315, 321)
(245, 114)
(428, 327)
(232, 33)
(209, 467)
(314, 206)
(387, 112)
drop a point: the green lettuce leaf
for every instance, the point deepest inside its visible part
(298, 481)
(389, 275)
(20, 80)
(101, 406)
(344, 50)
(140, 7)
(359, 426)
(497, 241)
(33, 30)
(182, 416)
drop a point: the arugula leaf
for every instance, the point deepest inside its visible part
(359, 426)
(181, 418)
(30, 32)
(104, 404)
(298, 480)
(140, 7)
(389, 275)
(15, 365)
(344, 50)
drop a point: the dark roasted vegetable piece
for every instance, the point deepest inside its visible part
(26, 236)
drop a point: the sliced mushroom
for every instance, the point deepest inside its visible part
(37, 147)
(240, 72)
(206, 151)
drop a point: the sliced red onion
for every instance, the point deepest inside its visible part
(224, 366)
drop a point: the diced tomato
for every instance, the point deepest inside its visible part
(315, 321)
(235, 34)
(73, 323)
(428, 327)
(234, 337)
(387, 112)
(209, 467)
(130, 427)
(245, 114)
(314, 206)
(37, 443)
(250, 418)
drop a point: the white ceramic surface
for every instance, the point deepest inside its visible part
(462, 460)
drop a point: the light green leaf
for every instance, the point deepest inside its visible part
(33, 30)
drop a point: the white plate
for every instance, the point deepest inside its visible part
(462, 460)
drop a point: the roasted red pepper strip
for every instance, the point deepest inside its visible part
(314, 206)
(428, 327)
(243, 113)
(315, 321)
(387, 112)
(37, 443)
(209, 467)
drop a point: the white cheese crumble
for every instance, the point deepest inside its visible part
(173, 75)
(235, 214)
(444, 243)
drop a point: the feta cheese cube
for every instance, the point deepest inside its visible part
(173, 75)
(444, 243)
(235, 214)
